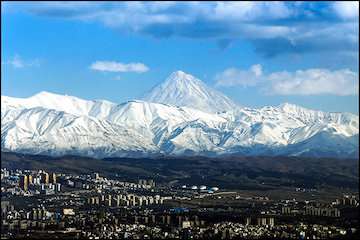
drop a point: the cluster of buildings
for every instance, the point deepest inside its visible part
(261, 221)
(30, 183)
(150, 183)
(96, 182)
(24, 219)
(46, 181)
(94, 207)
(125, 200)
(347, 200)
(310, 208)
(324, 211)
(230, 230)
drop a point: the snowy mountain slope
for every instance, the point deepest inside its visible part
(69, 104)
(325, 144)
(54, 124)
(39, 130)
(58, 132)
(182, 89)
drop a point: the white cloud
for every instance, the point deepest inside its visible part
(302, 82)
(111, 66)
(346, 10)
(313, 82)
(234, 76)
(247, 10)
(17, 62)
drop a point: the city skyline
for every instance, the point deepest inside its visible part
(265, 54)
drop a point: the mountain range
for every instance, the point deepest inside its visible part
(180, 117)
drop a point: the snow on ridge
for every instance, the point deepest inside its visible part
(53, 124)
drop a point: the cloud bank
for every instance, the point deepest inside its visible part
(315, 81)
(244, 78)
(274, 28)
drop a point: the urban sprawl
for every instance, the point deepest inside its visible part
(40, 204)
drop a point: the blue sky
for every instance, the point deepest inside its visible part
(257, 53)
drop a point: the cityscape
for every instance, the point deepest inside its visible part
(40, 204)
(180, 120)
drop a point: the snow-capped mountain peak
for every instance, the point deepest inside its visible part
(54, 124)
(181, 80)
(43, 94)
(182, 89)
